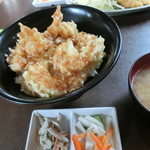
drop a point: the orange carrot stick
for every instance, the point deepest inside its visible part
(96, 139)
(82, 145)
(109, 146)
(101, 138)
(76, 142)
(107, 137)
(96, 148)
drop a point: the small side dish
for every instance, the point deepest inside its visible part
(94, 133)
(56, 61)
(51, 136)
(100, 122)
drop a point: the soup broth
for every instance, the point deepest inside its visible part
(141, 86)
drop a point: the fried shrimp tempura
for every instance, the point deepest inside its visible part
(57, 61)
(133, 3)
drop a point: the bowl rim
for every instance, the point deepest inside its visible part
(135, 62)
(130, 80)
(81, 90)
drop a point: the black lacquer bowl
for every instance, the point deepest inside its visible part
(89, 20)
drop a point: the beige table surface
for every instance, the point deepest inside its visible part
(112, 91)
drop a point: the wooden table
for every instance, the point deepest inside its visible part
(112, 91)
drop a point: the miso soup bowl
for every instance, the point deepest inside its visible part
(143, 61)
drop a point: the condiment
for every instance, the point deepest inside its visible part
(141, 86)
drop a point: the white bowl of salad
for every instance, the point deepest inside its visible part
(74, 129)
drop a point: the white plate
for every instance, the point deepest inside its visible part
(38, 3)
(32, 142)
(126, 10)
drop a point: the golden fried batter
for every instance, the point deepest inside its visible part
(57, 61)
(133, 3)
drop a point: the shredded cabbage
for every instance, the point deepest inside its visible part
(99, 4)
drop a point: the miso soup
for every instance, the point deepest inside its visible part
(141, 86)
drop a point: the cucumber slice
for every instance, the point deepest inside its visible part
(99, 118)
(1, 30)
